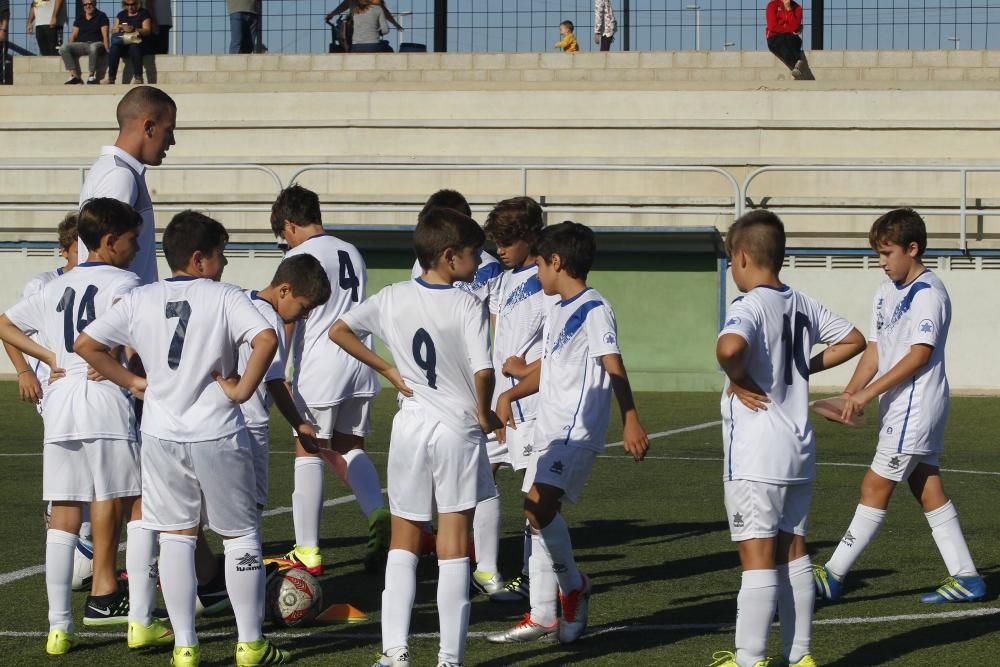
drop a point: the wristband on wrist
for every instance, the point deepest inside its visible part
(26, 370)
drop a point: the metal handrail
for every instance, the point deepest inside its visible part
(83, 168)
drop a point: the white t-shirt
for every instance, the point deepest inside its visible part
(574, 393)
(34, 286)
(43, 12)
(485, 281)
(184, 329)
(520, 306)
(780, 326)
(75, 408)
(325, 374)
(257, 410)
(439, 339)
(912, 414)
(118, 175)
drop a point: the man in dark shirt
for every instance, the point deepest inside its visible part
(89, 36)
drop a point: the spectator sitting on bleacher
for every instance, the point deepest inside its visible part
(132, 25)
(784, 35)
(371, 19)
(90, 36)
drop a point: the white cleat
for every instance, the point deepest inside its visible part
(525, 631)
(399, 659)
(574, 612)
(487, 583)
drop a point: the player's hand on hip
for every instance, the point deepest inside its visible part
(94, 376)
(29, 387)
(393, 376)
(229, 386)
(635, 439)
(138, 388)
(56, 374)
(490, 423)
(750, 395)
(514, 367)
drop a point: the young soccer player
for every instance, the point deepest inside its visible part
(518, 306)
(904, 367)
(332, 391)
(196, 454)
(439, 338)
(768, 444)
(91, 452)
(581, 366)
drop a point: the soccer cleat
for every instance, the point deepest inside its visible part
(728, 659)
(145, 636)
(260, 652)
(186, 656)
(806, 661)
(515, 590)
(525, 631)
(379, 533)
(302, 558)
(60, 642)
(451, 664)
(574, 612)
(401, 659)
(957, 589)
(213, 597)
(109, 609)
(487, 583)
(828, 587)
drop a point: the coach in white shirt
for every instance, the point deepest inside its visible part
(147, 117)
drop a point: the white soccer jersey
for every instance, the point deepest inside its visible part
(118, 175)
(780, 326)
(184, 328)
(912, 414)
(325, 374)
(75, 408)
(574, 392)
(34, 286)
(520, 307)
(483, 284)
(439, 339)
(257, 410)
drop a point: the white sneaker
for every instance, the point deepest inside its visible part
(487, 583)
(400, 659)
(574, 612)
(525, 631)
(515, 590)
(451, 664)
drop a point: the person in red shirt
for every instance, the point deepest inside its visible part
(784, 35)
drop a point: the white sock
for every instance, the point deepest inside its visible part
(140, 563)
(796, 598)
(544, 586)
(527, 550)
(363, 480)
(863, 529)
(486, 533)
(555, 540)
(179, 584)
(60, 548)
(754, 612)
(453, 608)
(307, 500)
(397, 598)
(245, 584)
(947, 532)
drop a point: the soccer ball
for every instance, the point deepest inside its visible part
(294, 598)
(83, 565)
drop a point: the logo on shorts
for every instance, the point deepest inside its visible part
(559, 568)
(926, 326)
(557, 468)
(848, 539)
(248, 562)
(738, 520)
(894, 463)
(527, 450)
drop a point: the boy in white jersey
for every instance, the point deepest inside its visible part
(332, 390)
(439, 338)
(299, 285)
(91, 452)
(903, 366)
(518, 306)
(769, 452)
(581, 366)
(196, 454)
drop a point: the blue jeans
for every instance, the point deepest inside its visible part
(244, 32)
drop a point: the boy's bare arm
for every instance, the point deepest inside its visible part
(904, 370)
(98, 356)
(239, 389)
(28, 386)
(731, 352)
(527, 386)
(834, 355)
(278, 389)
(634, 436)
(485, 382)
(517, 368)
(10, 334)
(344, 336)
(866, 369)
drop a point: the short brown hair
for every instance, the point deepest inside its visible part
(761, 235)
(901, 226)
(514, 219)
(306, 276)
(442, 228)
(452, 199)
(568, 24)
(103, 216)
(67, 231)
(298, 205)
(190, 232)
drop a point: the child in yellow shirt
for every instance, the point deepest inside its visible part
(568, 41)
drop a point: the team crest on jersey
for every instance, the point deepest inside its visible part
(926, 326)
(732, 321)
(879, 316)
(609, 338)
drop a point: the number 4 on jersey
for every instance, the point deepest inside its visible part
(348, 278)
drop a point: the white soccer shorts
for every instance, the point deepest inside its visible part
(761, 510)
(352, 416)
(565, 467)
(260, 446)
(496, 453)
(177, 477)
(899, 467)
(93, 469)
(431, 465)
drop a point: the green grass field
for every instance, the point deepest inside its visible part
(652, 536)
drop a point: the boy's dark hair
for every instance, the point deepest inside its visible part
(442, 228)
(191, 232)
(103, 216)
(452, 199)
(901, 227)
(574, 243)
(67, 230)
(568, 24)
(514, 219)
(306, 276)
(296, 204)
(760, 234)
